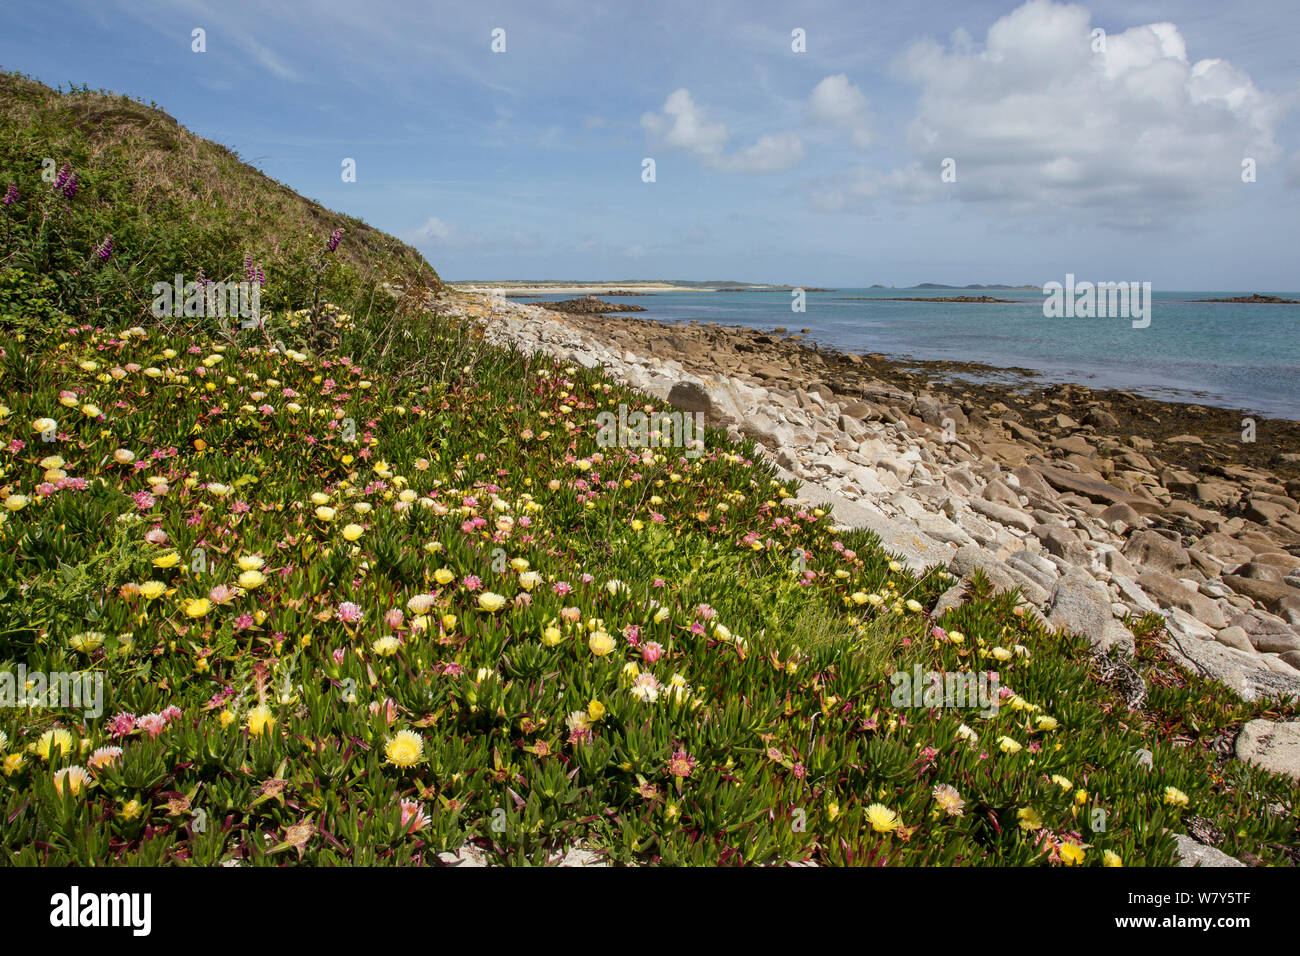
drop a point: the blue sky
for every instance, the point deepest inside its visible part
(820, 167)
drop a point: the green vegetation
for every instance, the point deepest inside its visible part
(368, 601)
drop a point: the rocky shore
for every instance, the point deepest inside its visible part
(587, 305)
(1095, 505)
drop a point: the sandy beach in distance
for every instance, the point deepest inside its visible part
(594, 288)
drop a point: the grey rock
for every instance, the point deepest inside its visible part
(1081, 605)
(1193, 854)
(1234, 637)
(1155, 552)
(1002, 514)
(1273, 746)
(1169, 592)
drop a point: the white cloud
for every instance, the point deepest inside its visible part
(837, 102)
(683, 124)
(1037, 120)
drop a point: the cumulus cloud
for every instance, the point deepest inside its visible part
(684, 124)
(837, 102)
(1043, 117)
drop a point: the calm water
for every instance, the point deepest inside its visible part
(1232, 355)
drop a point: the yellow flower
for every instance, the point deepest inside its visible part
(325, 513)
(1175, 797)
(250, 562)
(52, 739)
(595, 710)
(882, 819)
(44, 425)
(16, 502)
(444, 576)
(529, 580)
(1071, 853)
(491, 601)
(1111, 858)
(1080, 797)
(225, 718)
(404, 749)
(250, 580)
(91, 411)
(197, 607)
(152, 590)
(551, 636)
(87, 642)
(1047, 723)
(352, 531)
(12, 764)
(420, 603)
(601, 643)
(914, 606)
(260, 719)
(858, 597)
(74, 777)
(1029, 819)
(386, 646)
(1008, 746)
(168, 560)
(1062, 782)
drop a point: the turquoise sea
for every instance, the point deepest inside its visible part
(1227, 354)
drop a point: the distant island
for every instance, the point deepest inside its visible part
(996, 285)
(1255, 299)
(924, 298)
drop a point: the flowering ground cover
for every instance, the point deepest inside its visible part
(360, 588)
(362, 612)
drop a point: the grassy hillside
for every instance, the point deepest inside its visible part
(172, 203)
(370, 597)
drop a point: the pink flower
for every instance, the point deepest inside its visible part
(156, 536)
(349, 613)
(171, 713)
(681, 764)
(414, 818)
(121, 725)
(652, 651)
(338, 654)
(471, 582)
(152, 724)
(222, 594)
(561, 588)
(389, 707)
(394, 618)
